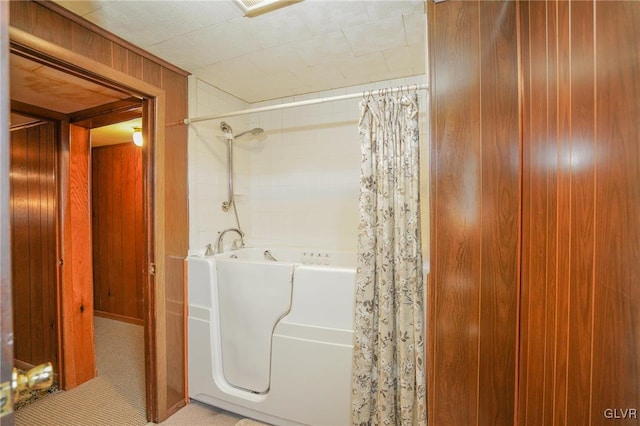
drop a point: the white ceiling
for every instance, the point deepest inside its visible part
(307, 47)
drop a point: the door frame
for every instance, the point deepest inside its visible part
(154, 99)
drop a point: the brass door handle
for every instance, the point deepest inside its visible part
(39, 377)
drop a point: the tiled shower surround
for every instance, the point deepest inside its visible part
(296, 184)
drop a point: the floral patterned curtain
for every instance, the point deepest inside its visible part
(388, 384)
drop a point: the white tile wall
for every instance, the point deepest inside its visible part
(297, 183)
(208, 166)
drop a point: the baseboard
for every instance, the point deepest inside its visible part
(109, 315)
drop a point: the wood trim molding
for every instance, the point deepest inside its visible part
(36, 111)
(117, 317)
(110, 36)
(159, 258)
(186, 328)
(111, 113)
(85, 67)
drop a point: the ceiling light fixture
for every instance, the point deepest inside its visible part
(137, 136)
(252, 8)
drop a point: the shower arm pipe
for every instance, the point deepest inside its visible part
(316, 101)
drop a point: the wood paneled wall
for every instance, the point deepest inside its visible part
(535, 258)
(34, 245)
(473, 282)
(580, 338)
(52, 24)
(118, 231)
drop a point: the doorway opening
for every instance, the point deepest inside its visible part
(118, 256)
(74, 106)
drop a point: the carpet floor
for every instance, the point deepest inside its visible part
(116, 396)
(96, 402)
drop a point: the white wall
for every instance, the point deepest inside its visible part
(297, 183)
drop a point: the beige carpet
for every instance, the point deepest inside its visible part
(97, 402)
(115, 397)
(120, 357)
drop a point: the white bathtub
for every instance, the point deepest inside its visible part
(278, 352)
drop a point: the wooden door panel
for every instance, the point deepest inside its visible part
(34, 244)
(77, 276)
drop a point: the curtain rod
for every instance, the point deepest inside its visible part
(410, 87)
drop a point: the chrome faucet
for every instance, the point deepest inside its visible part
(221, 235)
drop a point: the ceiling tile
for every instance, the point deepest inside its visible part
(403, 58)
(376, 36)
(278, 27)
(322, 16)
(415, 28)
(309, 46)
(323, 49)
(241, 69)
(316, 75)
(80, 7)
(364, 65)
(387, 8)
(222, 42)
(275, 59)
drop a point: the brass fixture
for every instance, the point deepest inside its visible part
(39, 377)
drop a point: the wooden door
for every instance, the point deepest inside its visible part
(580, 316)
(78, 348)
(34, 214)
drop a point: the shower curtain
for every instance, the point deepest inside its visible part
(388, 382)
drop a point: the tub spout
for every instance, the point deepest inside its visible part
(221, 237)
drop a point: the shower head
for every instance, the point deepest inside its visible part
(226, 129)
(254, 132)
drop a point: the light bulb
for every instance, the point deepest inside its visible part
(137, 136)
